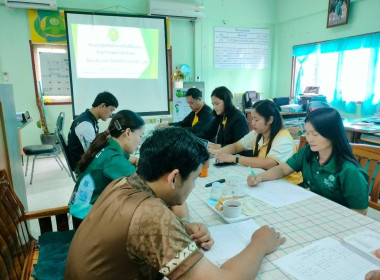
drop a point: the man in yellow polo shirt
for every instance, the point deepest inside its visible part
(200, 117)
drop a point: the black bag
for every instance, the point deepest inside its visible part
(249, 98)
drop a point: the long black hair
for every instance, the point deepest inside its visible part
(224, 94)
(328, 123)
(119, 123)
(267, 109)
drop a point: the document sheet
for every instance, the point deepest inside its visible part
(279, 193)
(325, 259)
(230, 239)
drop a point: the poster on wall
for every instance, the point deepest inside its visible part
(47, 27)
(240, 48)
(180, 107)
(55, 74)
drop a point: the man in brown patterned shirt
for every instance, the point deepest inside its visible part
(130, 233)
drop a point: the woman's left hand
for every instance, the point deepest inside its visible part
(213, 146)
(225, 158)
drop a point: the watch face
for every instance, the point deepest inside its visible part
(185, 69)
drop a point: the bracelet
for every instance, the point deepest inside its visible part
(185, 220)
(237, 159)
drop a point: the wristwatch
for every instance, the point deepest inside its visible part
(237, 158)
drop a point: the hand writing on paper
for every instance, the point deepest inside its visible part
(268, 238)
(254, 181)
(200, 234)
(373, 275)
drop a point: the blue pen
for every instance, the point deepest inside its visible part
(253, 173)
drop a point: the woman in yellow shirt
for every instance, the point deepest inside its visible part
(270, 142)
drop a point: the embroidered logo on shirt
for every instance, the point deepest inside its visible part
(330, 181)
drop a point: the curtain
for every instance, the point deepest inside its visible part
(302, 53)
(368, 81)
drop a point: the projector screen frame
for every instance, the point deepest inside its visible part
(164, 112)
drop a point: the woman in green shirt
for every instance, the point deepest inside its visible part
(108, 158)
(327, 163)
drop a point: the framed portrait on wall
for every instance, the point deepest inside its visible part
(337, 12)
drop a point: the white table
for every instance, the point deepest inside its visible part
(301, 223)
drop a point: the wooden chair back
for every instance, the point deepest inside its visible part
(16, 242)
(369, 158)
(302, 142)
(17, 246)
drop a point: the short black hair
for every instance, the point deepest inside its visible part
(225, 94)
(170, 148)
(107, 98)
(194, 93)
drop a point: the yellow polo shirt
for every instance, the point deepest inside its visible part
(283, 147)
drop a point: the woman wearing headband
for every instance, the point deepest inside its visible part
(108, 158)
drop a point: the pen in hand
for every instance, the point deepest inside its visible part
(253, 173)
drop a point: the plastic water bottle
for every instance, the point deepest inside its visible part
(216, 191)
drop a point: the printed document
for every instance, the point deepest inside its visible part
(325, 259)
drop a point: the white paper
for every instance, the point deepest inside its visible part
(325, 259)
(230, 239)
(279, 193)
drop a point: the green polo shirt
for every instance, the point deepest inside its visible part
(347, 186)
(109, 164)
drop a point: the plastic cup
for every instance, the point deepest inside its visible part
(204, 170)
(235, 186)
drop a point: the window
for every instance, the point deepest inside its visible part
(52, 73)
(346, 70)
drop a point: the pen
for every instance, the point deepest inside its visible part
(210, 184)
(253, 173)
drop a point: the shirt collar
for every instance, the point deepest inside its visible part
(330, 167)
(138, 183)
(115, 145)
(91, 115)
(197, 111)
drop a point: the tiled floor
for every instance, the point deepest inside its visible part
(52, 187)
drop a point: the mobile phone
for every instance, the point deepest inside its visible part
(221, 164)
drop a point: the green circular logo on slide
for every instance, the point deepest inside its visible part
(113, 34)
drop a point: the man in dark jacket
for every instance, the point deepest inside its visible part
(85, 127)
(200, 117)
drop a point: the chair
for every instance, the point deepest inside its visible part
(369, 158)
(315, 105)
(302, 142)
(44, 151)
(65, 151)
(18, 247)
(249, 98)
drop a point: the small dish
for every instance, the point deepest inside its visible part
(242, 217)
(367, 242)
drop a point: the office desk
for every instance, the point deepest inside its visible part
(354, 131)
(301, 223)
